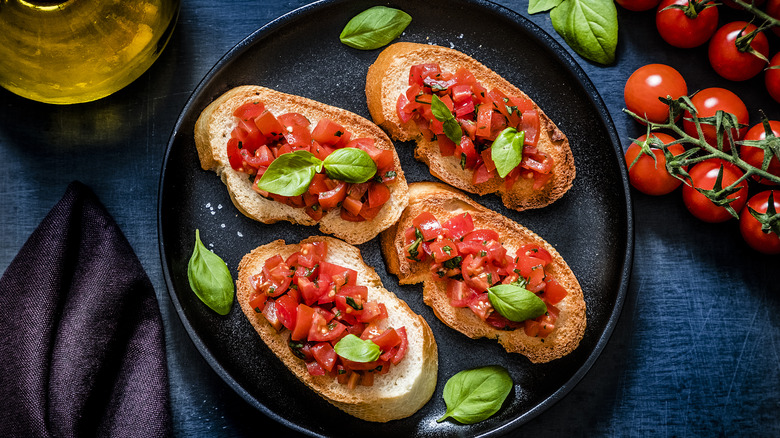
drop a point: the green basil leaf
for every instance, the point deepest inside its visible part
(590, 27)
(536, 6)
(290, 174)
(475, 395)
(507, 150)
(350, 165)
(452, 128)
(210, 278)
(352, 348)
(516, 303)
(374, 28)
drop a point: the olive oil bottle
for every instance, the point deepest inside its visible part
(74, 51)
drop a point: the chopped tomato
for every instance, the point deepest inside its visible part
(327, 132)
(443, 250)
(378, 194)
(459, 293)
(324, 355)
(481, 306)
(428, 225)
(287, 310)
(332, 198)
(459, 225)
(303, 320)
(249, 110)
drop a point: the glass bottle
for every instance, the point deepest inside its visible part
(76, 51)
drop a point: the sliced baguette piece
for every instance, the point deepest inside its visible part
(399, 393)
(445, 202)
(388, 77)
(212, 132)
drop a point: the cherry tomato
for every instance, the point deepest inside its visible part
(732, 62)
(773, 10)
(755, 155)
(750, 227)
(707, 102)
(687, 28)
(638, 5)
(703, 176)
(648, 176)
(647, 84)
(772, 77)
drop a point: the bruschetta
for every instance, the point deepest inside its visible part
(242, 134)
(319, 307)
(489, 138)
(475, 264)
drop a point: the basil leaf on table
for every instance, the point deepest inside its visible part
(475, 395)
(452, 128)
(290, 174)
(210, 278)
(535, 6)
(590, 27)
(374, 28)
(516, 303)
(352, 348)
(507, 150)
(350, 165)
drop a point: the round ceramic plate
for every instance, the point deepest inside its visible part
(300, 53)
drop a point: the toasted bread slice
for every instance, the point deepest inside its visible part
(212, 132)
(445, 202)
(397, 394)
(388, 78)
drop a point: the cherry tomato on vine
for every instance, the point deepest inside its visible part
(750, 227)
(755, 155)
(650, 176)
(689, 27)
(638, 5)
(730, 51)
(647, 84)
(703, 176)
(772, 77)
(707, 102)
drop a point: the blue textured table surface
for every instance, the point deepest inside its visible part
(696, 350)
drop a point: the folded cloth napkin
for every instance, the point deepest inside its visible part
(82, 351)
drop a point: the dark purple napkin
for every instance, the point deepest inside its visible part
(82, 351)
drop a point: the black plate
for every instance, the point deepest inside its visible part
(300, 53)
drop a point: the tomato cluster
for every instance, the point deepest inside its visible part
(647, 158)
(470, 261)
(737, 50)
(320, 303)
(481, 115)
(260, 137)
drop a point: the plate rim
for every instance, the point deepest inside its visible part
(563, 56)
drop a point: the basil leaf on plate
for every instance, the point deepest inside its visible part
(352, 348)
(290, 174)
(452, 128)
(475, 395)
(350, 165)
(535, 6)
(507, 150)
(590, 27)
(516, 303)
(210, 278)
(374, 28)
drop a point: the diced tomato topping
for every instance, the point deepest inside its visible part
(322, 304)
(471, 261)
(482, 115)
(249, 110)
(428, 225)
(260, 137)
(459, 225)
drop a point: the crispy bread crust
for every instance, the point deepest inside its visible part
(444, 202)
(397, 394)
(388, 77)
(212, 131)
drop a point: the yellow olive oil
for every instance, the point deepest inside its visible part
(74, 51)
